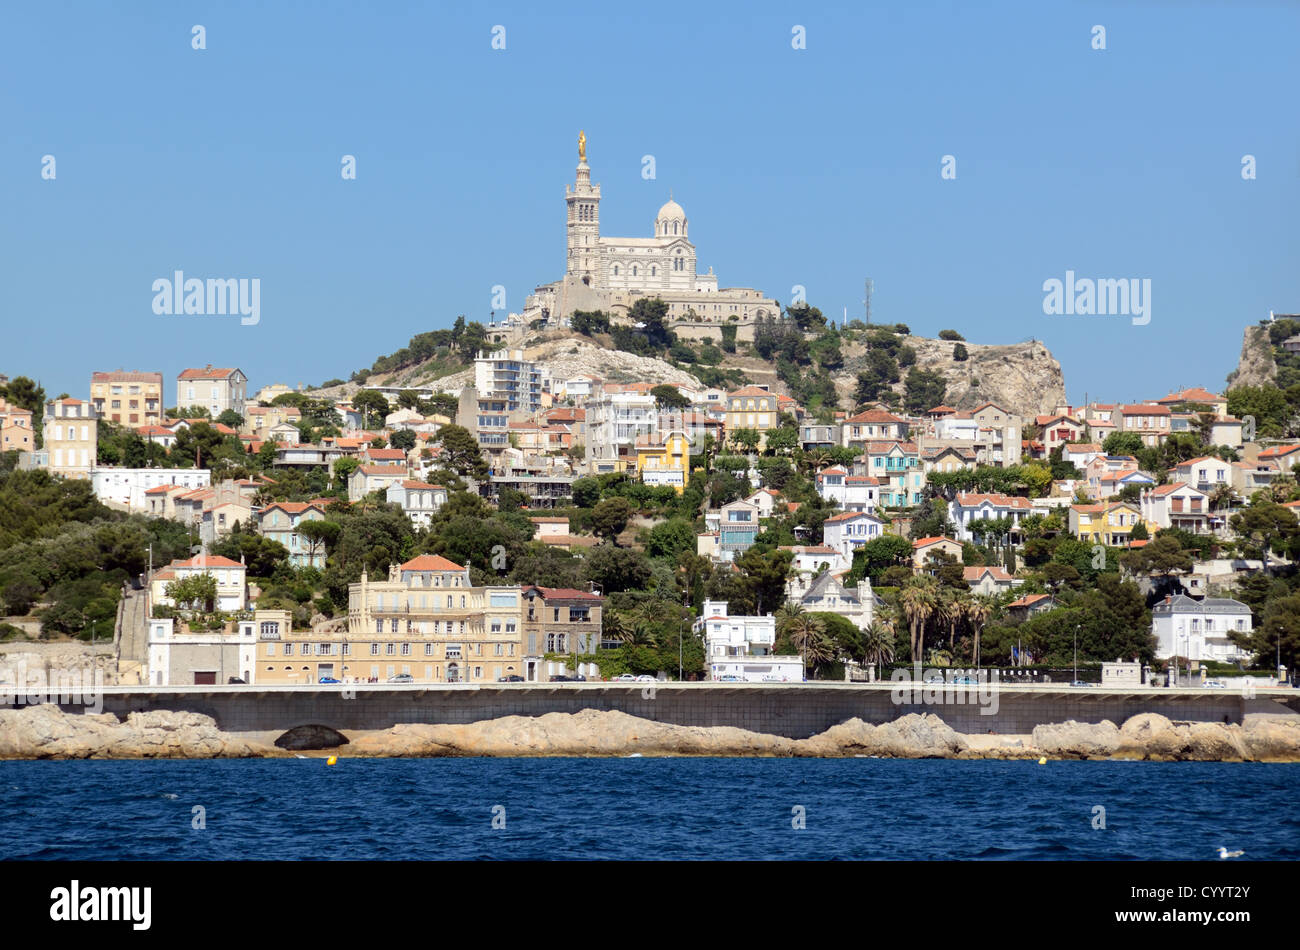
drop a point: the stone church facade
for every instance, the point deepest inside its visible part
(612, 273)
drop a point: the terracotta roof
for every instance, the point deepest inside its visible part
(126, 376)
(424, 486)
(430, 562)
(1029, 600)
(208, 560)
(563, 593)
(207, 373)
(874, 415)
(751, 391)
(971, 499)
(1145, 410)
(925, 542)
(382, 469)
(850, 515)
(1278, 451)
(975, 573)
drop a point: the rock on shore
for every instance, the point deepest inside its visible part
(46, 732)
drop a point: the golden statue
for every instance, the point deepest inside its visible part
(582, 146)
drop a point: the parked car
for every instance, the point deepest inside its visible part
(645, 678)
(934, 679)
(510, 679)
(966, 681)
(236, 679)
(1214, 684)
(625, 678)
(402, 678)
(327, 679)
(1080, 683)
(562, 678)
(730, 679)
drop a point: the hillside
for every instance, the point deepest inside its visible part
(1024, 378)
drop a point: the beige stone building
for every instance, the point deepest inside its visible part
(71, 437)
(127, 397)
(16, 432)
(214, 389)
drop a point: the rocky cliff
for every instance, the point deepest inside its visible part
(46, 732)
(1255, 366)
(1023, 378)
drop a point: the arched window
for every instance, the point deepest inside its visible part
(674, 227)
(653, 272)
(633, 270)
(615, 270)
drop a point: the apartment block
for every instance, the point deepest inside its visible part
(127, 397)
(71, 437)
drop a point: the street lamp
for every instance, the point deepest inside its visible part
(1076, 652)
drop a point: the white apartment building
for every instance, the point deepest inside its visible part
(850, 492)
(127, 486)
(739, 648)
(614, 422)
(850, 530)
(419, 500)
(505, 376)
(1199, 629)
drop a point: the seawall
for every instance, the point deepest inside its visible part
(795, 711)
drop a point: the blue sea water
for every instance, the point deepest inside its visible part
(645, 808)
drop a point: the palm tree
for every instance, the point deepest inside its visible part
(614, 627)
(878, 642)
(817, 459)
(978, 610)
(806, 632)
(1223, 496)
(919, 600)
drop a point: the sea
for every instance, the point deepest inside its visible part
(646, 809)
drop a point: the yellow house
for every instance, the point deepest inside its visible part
(663, 459)
(753, 407)
(1107, 523)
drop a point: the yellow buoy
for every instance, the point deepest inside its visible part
(1042, 761)
(332, 760)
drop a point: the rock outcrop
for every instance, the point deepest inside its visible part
(1084, 740)
(1255, 366)
(46, 732)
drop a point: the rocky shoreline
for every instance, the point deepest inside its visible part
(46, 732)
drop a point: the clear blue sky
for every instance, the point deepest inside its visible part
(817, 167)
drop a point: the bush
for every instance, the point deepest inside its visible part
(950, 335)
(959, 353)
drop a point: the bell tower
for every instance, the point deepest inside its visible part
(583, 226)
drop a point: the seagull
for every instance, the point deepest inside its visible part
(1225, 853)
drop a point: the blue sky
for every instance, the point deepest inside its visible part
(818, 167)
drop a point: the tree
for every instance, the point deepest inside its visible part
(461, 453)
(589, 322)
(651, 313)
(764, 574)
(746, 439)
(671, 538)
(319, 534)
(950, 335)
(669, 397)
(782, 440)
(197, 591)
(923, 389)
(919, 600)
(373, 406)
(230, 418)
(614, 569)
(878, 642)
(610, 517)
(586, 492)
(403, 439)
(805, 317)
(959, 354)
(1122, 443)
(807, 632)
(198, 444)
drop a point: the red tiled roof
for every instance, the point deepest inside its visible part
(207, 373)
(924, 542)
(208, 560)
(126, 376)
(430, 562)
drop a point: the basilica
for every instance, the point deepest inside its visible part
(611, 273)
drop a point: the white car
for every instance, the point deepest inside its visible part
(645, 678)
(625, 678)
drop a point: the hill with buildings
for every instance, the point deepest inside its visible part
(822, 367)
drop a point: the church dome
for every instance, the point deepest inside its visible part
(670, 211)
(671, 220)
